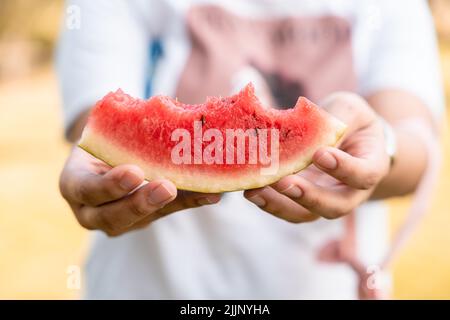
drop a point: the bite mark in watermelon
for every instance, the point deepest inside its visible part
(124, 130)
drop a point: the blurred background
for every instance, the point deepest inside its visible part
(40, 240)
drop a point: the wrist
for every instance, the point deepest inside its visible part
(410, 162)
(390, 141)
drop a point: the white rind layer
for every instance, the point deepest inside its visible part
(113, 154)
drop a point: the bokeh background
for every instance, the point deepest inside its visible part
(40, 239)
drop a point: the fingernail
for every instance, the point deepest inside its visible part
(292, 191)
(160, 195)
(258, 200)
(129, 181)
(327, 161)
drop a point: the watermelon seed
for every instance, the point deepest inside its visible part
(286, 133)
(203, 119)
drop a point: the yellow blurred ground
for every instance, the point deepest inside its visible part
(39, 238)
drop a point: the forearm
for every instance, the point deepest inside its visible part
(410, 162)
(407, 169)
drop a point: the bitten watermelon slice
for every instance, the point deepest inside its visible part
(225, 144)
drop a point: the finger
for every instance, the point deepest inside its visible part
(279, 205)
(359, 173)
(328, 202)
(187, 199)
(184, 200)
(117, 217)
(94, 189)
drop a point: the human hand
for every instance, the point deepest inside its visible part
(117, 200)
(339, 179)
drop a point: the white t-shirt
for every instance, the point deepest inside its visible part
(191, 49)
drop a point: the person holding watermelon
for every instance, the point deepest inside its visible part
(362, 61)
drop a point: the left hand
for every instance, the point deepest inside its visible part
(339, 179)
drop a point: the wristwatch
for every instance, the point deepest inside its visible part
(390, 140)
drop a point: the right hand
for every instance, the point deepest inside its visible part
(117, 200)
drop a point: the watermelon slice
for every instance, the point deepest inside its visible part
(225, 144)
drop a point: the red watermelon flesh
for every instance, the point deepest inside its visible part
(124, 130)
